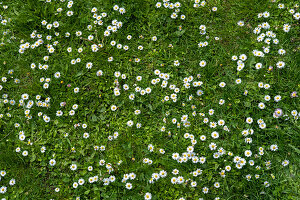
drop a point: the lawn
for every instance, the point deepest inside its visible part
(162, 100)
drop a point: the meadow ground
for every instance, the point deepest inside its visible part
(103, 99)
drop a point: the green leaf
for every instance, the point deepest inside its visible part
(295, 148)
(69, 142)
(79, 74)
(179, 33)
(33, 157)
(94, 118)
(82, 152)
(150, 107)
(251, 61)
(247, 104)
(66, 180)
(102, 117)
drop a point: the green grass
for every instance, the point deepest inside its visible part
(36, 179)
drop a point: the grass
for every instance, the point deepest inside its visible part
(36, 179)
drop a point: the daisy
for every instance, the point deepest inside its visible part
(221, 101)
(148, 196)
(52, 162)
(193, 184)
(281, 51)
(89, 65)
(243, 57)
(248, 153)
(280, 6)
(76, 90)
(2, 173)
(222, 84)
(261, 105)
(150, 147)
(202, 63)
(212, 146)
(280, 64)
(113, 107)
(217, 184)
(248, 140)
(228, 168)
(180, 179)
(128, 186)
(277, 98)
(205, 190)
(203, 137)
(258, 65)
(73, 167)
(12, 182)
(249, 120)
(266, 86)
(3, 189)
(215, 135)
(285, 163)
(273, 147)
(296, 16)
(176, 63)
(262, 126)
(130, 123)
(75, 185)
(241, 23)
(122, 11)
(266, 184)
